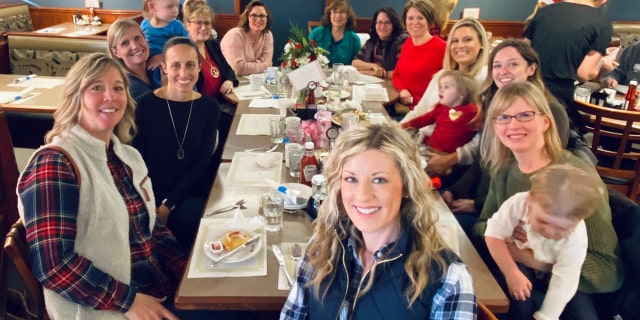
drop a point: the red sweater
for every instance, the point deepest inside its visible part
(452, 129)
(417, 65)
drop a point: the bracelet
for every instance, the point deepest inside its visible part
(169, 204)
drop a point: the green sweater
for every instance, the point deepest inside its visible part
(602, 269)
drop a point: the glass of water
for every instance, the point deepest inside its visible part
(272, 208)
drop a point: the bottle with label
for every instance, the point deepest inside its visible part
(630, 97)
(308, 164)
(319, 187)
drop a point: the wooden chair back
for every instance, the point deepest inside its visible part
(16, 249)
(312, 24)
(8, 173)
(484, 313)
(619, 167)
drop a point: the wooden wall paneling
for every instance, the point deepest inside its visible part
(224, 23)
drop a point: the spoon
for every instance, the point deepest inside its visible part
(270, 149)
(237, 205)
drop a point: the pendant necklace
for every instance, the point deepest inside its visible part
(180, 152)
(215, 73)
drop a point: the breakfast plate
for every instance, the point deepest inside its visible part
(337, 118)
(220, 236)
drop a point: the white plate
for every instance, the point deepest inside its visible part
(243, 255)
(305, 192)
(343, 94)
(96, 23)
(82, 23)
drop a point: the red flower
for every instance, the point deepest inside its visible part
(284, 64)
(293, 64)
(298, 46)
(290, 41)
(312, 57)
(313, 43)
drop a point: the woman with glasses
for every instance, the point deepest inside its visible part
(216, 78)
(336, 33)
(248, 48)
(519, 138)
(379, 55)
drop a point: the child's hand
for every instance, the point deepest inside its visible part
(519, 285)
(154, 62)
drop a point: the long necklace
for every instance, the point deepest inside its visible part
(180, 152)
(215, 73)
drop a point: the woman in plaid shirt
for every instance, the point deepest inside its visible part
(88, 207)
(375, 253)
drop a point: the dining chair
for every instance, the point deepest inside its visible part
(8, 172)
(614, 134)
(16, 249)
(312, 24)
(484, 313)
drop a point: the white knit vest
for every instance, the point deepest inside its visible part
(103, 220)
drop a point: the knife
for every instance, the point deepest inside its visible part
(234, 251)
(280, 257)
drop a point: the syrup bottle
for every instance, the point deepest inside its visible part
(308, 164)
(319, 194)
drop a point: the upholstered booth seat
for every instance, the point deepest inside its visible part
(15, 18)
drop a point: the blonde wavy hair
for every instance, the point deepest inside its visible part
(443, 9)
(496, 155)
(483, 57)
(83, 73)
(118, 30)
(416, 213)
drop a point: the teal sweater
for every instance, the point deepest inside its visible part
(342, 51)
(602, 268)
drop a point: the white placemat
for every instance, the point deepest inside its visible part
(254, 124)
(246, 171)
(365, 78)
(199, 266)
(264, 103)
(358, 94)
(39, 83)
(283, 284)
(9, 96)
(245, 93)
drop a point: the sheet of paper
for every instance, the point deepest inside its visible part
(358, 94)
(254, 124)
(301, 77)
(365, 78)
(245, 169)
(199, 265)
(264, 103)
(39, 83)
(50, 30)
(245, 93)
(8, 96)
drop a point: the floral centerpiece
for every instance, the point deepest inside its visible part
(299, 50)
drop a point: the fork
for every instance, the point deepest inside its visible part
(268, 149)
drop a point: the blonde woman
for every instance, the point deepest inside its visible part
(91, 243)
(519, 138)
(375, 249)
(467, 51)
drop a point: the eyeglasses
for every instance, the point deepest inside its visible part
(200, 23)
(338, 12)
(383, 23)
(258, 16)
(520, 117)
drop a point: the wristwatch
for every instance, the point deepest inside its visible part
(169, 204)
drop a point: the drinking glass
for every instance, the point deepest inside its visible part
(284, 86)
(296, 151)
(272, 208)
(276, 129)
(582, 93)
(336, 80)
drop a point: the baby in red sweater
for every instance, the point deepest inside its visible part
(452, 114)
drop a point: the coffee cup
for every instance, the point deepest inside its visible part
(349, 121)
(255, 82)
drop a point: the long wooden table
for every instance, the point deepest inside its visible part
(261, 293)
(69, 29)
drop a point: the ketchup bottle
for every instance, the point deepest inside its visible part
(630, 98)
(308, 164)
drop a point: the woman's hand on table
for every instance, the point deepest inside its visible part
(439, 164)
(226, 87)
(146, 307)
(405, 97)
(458, 205)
